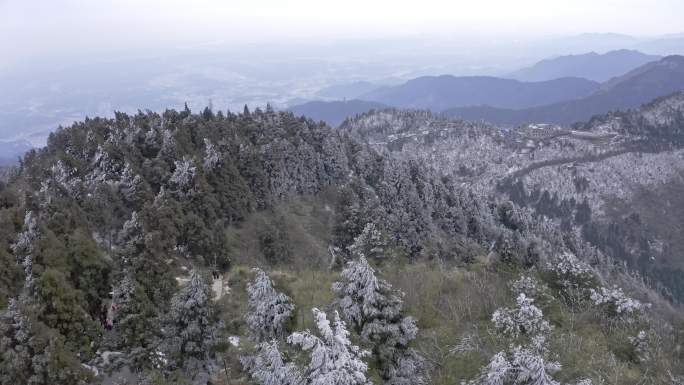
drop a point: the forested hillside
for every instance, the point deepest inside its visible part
(587, 178)
(399, 249)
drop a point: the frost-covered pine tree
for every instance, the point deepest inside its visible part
(26, 239)
(15, 353)
(527, 365)
(268, 309)
(523, 320)
(131, 185)
(334, 360)
(190, 330)
(531, 287)
(130, 240)
(104, 168)
(532, 366)
(369, 243)
(211, 156)
(571, 273)
(134, 321)
(63, 176)
(404, 367)
(375, 312)
(24, 247)
(616, 303)
(268, 367)
(499, 371)
(364, 299)
(183, 175)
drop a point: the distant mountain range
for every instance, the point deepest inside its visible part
(666, 45)
(442, 92)
(334, 112)
(11, 151)
(511, 102)
(592, 66)
(638, 86)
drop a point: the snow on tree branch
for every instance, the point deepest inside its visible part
(333, 359)
(268, 367)
(211, 156)
(524, 320)
(268, 309)
(184, 174)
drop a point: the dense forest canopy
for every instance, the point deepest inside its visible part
(127, 249)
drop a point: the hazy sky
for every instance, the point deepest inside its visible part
(31, 27)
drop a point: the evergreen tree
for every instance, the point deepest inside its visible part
(134, 321)
(268, 311)
(334, 360)
(375, 312)
(190, 331)
(497, 372)
(24, 246)
(527, 365)
(211, 155)
(268, 367)
(348, 219)
(532, 365)
(370, 243)
(183, 175)
(524, 320)
(62, 307)
(132, 187)
(32, 354)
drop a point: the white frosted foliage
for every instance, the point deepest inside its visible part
(184, 174)
(26, 239)
(530, 286)
(267, 366)
(616, 301)
(375, 311)
(524, 320)
(369, 243)
(130, 184)
(497, 372)
(189, 330)
(571, 272)
(531, 365)
(333, 358)
(525, 365)
(211, 156)
(268, 308)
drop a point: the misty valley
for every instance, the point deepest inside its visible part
(352, 211)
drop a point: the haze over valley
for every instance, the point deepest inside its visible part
(58, 90)
(341, 193)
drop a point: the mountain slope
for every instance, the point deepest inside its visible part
(617, 179)
(441, 92)
(592, 66)
(334, 112)
(641, 85)
(109, 236)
